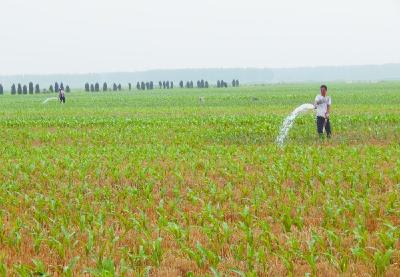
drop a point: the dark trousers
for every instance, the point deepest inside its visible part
(320, 126)
(62, 99)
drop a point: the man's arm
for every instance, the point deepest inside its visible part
(316, 102)
(328, 108)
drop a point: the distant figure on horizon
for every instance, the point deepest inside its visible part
(322, 107)
(61, 96)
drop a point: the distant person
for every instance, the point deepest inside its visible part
(322, 107)
(61, 96)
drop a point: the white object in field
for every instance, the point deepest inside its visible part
(49, 99)
(201, 99)
(288, 122)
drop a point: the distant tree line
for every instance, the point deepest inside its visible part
(166, 84)
(161, 85)
(222, 84)
(145, 85)
(118, 87)
(188, 84)
(202, 84)
(31, 88)
(96, 87)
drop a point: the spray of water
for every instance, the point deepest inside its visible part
(49, 99)
(288, 122)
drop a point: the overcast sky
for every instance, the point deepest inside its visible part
(77, 36)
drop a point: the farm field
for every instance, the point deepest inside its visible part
(159, 183)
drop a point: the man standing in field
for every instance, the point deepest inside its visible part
(61, 96)
(322, 107)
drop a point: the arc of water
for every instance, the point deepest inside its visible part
(288, 122)
(49, 99)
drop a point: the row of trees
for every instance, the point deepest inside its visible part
(144, 86)
(57, 87)
(166, 84)
(30, 88)
(139, 86)
(202, 84)
(161, 84)
(96, 87)
(189, 84)
(222, 84)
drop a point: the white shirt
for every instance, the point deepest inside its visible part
(322, 104)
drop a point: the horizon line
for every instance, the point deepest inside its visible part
(196, 68)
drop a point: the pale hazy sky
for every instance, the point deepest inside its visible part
(71, 36)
